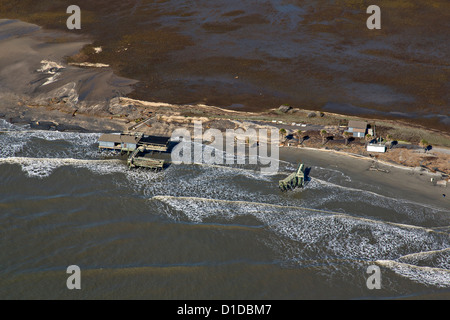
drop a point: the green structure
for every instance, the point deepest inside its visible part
(294, 180)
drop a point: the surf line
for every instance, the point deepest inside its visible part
(423, 254)
(241, 170)
(427, 275)
(331, 213)
(327, 183)
(62, 161)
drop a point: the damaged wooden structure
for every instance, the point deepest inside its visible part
(294, 180)
(138, 159)
(138, 146)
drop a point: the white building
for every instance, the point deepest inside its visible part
(375, 147)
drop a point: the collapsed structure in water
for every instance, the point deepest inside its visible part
(294, 180)
(138, 146)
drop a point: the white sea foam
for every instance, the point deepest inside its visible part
(249, 173)
(7, 126)
(76, 138)
(332, 174)
(50, 67)
(43, 167)
(323, 235)
(11, 149)
(425, 275)
(335, 233)
(231, 159)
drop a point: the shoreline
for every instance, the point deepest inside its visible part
(70, 98)
(400, 183)
(40, 118)
(403, 183)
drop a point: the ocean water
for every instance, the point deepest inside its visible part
(201, 231)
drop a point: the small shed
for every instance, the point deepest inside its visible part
(357, 128)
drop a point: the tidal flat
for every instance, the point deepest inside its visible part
(257, 55)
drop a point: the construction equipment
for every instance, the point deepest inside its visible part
(294, 180)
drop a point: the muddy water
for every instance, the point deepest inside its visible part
(256, 55)
(204, 232)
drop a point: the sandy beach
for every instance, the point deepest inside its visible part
(401, 182)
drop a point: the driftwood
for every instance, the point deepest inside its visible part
(374, 167)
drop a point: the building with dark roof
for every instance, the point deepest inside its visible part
(122, 142)
(129, 142)
(357, 128)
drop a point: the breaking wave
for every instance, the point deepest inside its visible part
(425, 275)
(316, 234)
(313, 224)
(40, 152)
(43, 167)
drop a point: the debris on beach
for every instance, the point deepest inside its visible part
(442, 183)
(375, 167)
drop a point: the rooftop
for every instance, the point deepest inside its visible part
(357, 124)
(119, 138)
(155, 140)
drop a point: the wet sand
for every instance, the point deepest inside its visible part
(401, 182)
(33, 73)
